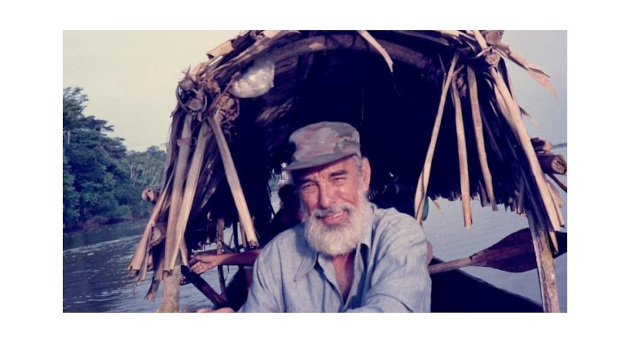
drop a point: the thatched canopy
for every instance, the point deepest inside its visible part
(435, 110)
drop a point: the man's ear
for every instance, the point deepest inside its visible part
(366, 173)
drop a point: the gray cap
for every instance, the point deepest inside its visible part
(322, 143)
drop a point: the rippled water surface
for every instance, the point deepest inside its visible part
(95, 277)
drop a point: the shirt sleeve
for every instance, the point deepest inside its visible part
(400, 280)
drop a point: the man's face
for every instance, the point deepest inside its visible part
(331, 185)
(333, 199)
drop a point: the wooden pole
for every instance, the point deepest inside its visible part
(233, 181)
(203, 286)
(236, 236)
(185, 204)
(171, 245)
(219, 243)
(451, 265)
(170, 297)
(546, 267)
(462, 153)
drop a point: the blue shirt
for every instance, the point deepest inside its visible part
(390, 272)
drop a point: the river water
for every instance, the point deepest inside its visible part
(95, 277)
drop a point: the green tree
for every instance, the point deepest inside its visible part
(91, 166)
(102, 181)
(144, 170)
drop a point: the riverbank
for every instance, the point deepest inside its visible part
(94, 224)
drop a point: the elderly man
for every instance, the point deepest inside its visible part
(348, 255)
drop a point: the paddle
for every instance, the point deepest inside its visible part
(514, 253)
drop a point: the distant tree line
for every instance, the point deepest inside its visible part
(102, 181)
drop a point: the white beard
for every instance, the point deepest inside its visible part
(338, 239)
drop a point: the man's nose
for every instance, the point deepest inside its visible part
(326, 198)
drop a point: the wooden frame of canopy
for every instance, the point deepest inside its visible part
(217, 176)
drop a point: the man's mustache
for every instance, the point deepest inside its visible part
(321, 213)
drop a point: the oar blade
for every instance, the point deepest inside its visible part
(515, 253)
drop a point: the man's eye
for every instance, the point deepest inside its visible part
(307, 187)
(338, 179)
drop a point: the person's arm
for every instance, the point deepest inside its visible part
(400, 280)
(205, 261)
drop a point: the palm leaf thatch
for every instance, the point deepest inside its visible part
(435, 110)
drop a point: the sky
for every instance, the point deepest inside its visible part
(130, 77)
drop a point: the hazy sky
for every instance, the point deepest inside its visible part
(130, 77)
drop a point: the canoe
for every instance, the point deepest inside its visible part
(458, 291)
